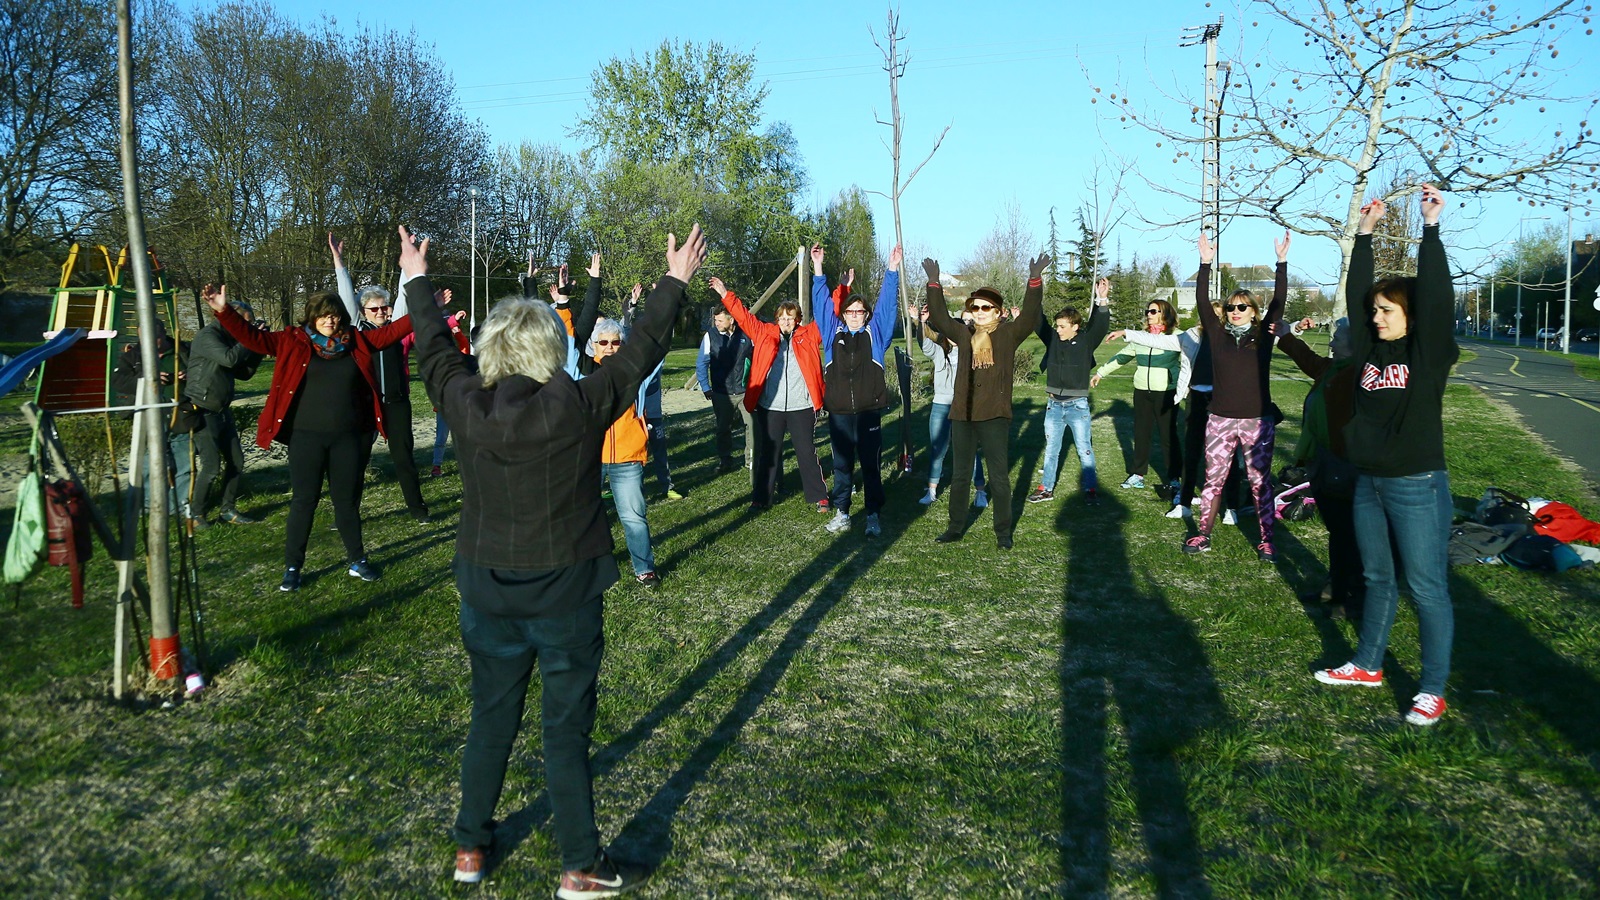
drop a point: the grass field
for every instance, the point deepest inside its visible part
(793, 714)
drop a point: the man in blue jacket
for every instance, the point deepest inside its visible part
(721, 367)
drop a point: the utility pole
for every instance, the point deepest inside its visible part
(1211, 167)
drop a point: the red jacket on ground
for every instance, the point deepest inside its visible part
(765, 339)
(292, 348)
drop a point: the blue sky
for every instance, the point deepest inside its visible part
(1008, 77)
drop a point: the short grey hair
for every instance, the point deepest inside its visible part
(521, 337)
(1339, 344)
(603, 326)
(371, 290)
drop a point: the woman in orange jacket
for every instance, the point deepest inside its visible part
(784, 394)
(622, 459)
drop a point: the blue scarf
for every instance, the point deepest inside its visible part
(326, 347)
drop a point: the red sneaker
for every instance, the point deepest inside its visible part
(605, 878)
(1350, 673)
(1425, 709)
(469, 864)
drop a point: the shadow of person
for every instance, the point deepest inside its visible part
(1126, 655)
(1120, 412)
(647, 836)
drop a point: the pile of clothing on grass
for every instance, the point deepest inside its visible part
(1526, 532)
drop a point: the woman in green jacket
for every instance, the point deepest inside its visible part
(1155, 383)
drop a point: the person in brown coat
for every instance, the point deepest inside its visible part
(981, 413)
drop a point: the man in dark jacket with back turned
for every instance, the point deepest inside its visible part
(216, 362)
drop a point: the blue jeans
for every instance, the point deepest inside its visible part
(1059, 415)
(627, 495)
(939, 445)
(1416, 509)
(503, 651)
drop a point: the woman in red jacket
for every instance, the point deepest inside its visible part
(329, 436)
(784, 394)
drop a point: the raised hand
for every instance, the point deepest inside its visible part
(594, 266)
(441, 298)
(683, 261)
(413, 255)
(895, 257)
(931, 266)
(1371, 212)
(1432, 204)
(215, 297)
(816, 259)
(531, 270)
(850, 278)
(638, 291)
(1282, 246)
(1037, 265)
(922, 313)
(1304, 324)
(337, 248)
(1102, 289)
(1208, 251)
(1016, 312)
(717, 285)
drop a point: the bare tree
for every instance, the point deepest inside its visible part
(1000, 260)
(1416, 86)
(895, 64)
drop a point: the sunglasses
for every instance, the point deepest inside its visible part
(1235, 307)
(616, 343)
(378, 308)
(1152, 312)
(983, 307)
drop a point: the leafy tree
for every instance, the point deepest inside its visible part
(850, 235)
(1000, 260)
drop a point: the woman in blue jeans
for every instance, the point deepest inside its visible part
(1396, 441)
(943, 355)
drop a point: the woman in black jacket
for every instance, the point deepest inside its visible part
(1396, 440)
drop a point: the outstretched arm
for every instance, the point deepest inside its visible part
(1433, 319)
(1358, 280)
(821, 304)
(341, 275)
(885, 313)
(938, 314)
(1202, 287)
(262, 342)
(1280, 286)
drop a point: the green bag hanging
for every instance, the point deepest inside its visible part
(26, 549)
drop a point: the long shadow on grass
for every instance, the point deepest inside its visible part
(648, 835)
(1126, 654)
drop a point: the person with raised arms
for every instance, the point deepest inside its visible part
(984, 378)
(1395, 437)
(1069, 349)
(533, 550)
(854, 391)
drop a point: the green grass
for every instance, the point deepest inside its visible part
(797, 715)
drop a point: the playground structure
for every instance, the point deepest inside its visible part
(79, 378)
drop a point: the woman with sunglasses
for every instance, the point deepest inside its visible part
(985, 372)
(1155, 383)
(1396, 440)
(323, 404)
(623, 454)
(1241, 401)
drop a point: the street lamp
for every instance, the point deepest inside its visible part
(1520, 251)
(472, 267)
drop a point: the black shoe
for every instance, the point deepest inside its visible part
(1003, 541)
(420, 514)
(234, 517)
(198, 525)
(949, 537)
(648, 579)
(363, 570)
(291, 579)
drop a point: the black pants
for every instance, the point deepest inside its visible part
(658, 453)
(217, 448)
(1347, 578)
(995, 436)
(402, 446)
(341, 458)
(1154, 412)
(503, 651)
(857, 436)
(801, 425)
(1197, 411)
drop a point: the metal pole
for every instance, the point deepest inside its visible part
(163, 630)
(803, 271)
(1566, 309)
(473, 266)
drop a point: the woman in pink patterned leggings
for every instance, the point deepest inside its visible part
(1241, 403)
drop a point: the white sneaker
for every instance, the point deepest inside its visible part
(1228, 517)
(1134, 481)
(1179, 512)
(839, 524)
(873, 528)
(928, 498)
(981, 500)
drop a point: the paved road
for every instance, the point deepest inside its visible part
(1557, 403)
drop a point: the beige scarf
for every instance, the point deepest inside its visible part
(983, 346)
